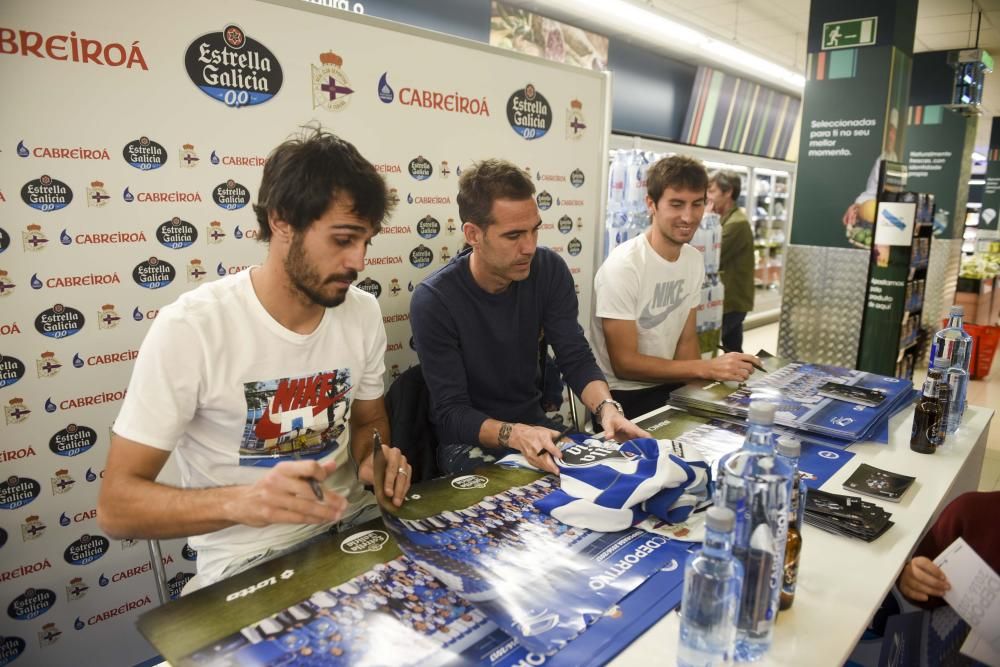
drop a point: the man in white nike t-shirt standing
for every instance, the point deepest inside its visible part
(646, 294)
(266, 385)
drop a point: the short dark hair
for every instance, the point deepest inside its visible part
(728, 181)
(304, 175)
(485, 182)
(679, 172)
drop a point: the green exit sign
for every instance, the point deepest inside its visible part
(849, 34)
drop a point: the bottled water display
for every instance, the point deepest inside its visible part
(713, 580)
(951, 353)
(756, 485)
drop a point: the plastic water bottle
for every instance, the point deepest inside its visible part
(701, 314)
(709, 241)
(635, 182)
(712, 583)
(755, 484)
(716, 303)
(951, 353)
(616, 182)
(616, 219)
(716, 226)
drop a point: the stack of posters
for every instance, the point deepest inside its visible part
(541, 581)
(714, 438)
(466, 572)
(795, 388)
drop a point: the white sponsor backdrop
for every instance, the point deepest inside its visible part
(87, 80)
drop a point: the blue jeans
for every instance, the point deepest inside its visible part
(732, 331)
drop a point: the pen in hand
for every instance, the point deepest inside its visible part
(313, 482)
(752, 363)
(561, 434)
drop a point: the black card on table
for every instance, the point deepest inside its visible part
(851, 393)
(878, 483)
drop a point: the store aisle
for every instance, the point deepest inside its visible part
(985, 392)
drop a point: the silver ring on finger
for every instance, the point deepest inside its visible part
(402, 471)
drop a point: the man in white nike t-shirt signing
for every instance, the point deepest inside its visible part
(265, 385)
(647, 292)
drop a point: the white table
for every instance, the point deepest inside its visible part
(843, 581)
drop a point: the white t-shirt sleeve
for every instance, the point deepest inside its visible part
(372, 383)
(616, 290)
(695, 280)
(166, 383)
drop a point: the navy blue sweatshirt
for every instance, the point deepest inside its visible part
(479, 351)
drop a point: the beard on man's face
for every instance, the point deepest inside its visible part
(306, 279)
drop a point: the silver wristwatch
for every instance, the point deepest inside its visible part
(608, 401)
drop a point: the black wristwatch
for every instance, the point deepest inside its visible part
(608, 401)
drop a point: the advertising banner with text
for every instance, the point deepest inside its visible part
(938, 151)
(854, 114)
(988, 221)
(130, 154)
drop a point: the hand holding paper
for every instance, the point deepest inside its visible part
(974, 595)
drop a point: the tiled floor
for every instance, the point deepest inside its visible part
(984, 392)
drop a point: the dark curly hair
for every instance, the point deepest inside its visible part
(304, 175)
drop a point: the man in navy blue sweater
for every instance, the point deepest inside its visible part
(477, 323)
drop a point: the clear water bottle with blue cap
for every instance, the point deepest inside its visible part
(713, 580)
(756, 485)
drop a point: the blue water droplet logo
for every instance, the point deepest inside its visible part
(409, 198)
(127, 195)
(538, 175)
(409, 286)
(65, 238)
(557, 201)
(214, 158)
(78, 624)
(35, 282)
(221, 270)
(77, 361)
(90, 476)
(238, 233)
(103, 581)
(458, 170)
(385, 91)
(137, 314)
(22, 151)
(64, 520)
(50, 406)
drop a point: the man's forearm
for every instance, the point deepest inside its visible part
(363, 437)
(142, 509)
(644, 368)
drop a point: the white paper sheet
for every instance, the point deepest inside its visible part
(979, 649)
(974, 594)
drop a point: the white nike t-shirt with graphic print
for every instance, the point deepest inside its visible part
(635, 283)
(231, 393)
